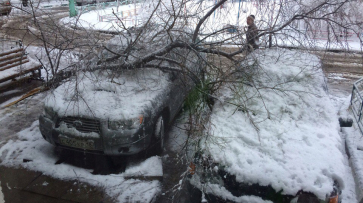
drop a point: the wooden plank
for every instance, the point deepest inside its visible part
(11, 51)
(11, 56)
(20, 73)
(17, 83)
(14, 64)
(13, 60)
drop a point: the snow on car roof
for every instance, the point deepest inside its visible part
(283, 130)
(106, 95)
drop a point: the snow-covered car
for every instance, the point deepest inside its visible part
(121, 111)
(113, 113)
(5, 7)
(275, 139)
(112, 110)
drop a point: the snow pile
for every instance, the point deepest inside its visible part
(109, 95)
(31, 146)
(280, 131)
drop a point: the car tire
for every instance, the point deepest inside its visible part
(159, 133)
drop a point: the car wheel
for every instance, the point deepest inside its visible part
(160, 133)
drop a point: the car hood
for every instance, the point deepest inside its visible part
(109, 95)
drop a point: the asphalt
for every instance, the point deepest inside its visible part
(20, 185)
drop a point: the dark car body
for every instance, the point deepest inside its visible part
(5, 7)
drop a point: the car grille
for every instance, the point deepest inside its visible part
(84, 125)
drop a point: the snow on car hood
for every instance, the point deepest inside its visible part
(283, 131)
(106, 95)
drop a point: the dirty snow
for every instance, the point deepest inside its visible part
(31, 146)
(284, 130)
(8, 102)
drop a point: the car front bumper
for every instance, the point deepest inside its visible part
(109, 142)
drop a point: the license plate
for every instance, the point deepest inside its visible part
(81, 144)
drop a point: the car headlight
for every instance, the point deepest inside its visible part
(49, 113)
(126, 124)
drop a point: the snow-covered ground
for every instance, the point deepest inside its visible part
(271, 142)
(31, 146)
